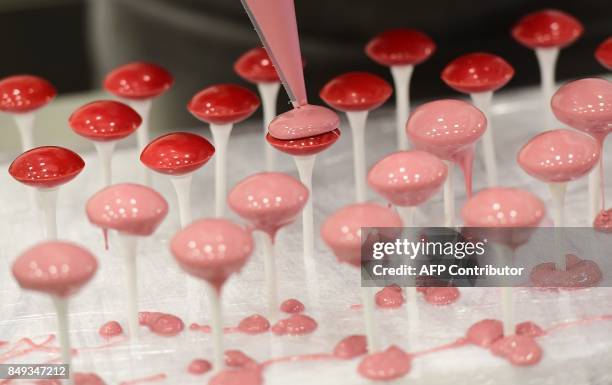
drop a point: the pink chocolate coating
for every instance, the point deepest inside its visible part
(269, 200)
(303, 122)
(408, 178)
(559, 155)
(55, 267)
(445, 127)
(342, 230)
(128, 208)
(503, 207)
(212, 249)
(585, 105)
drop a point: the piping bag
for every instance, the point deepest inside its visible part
(276, 25)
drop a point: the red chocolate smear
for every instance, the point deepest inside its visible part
(198, 367)
(161, 323)
(292, 306)
(296, 324)
(237, 359)
(388, 365)
(237, 377)
(110, 329)
(254, 324)
(87, 379)
(603, 221)
(441, 295)
(529, 329)
(390, 297)
(580, 273)
(519, 350)
(486, 332)
(351, 347)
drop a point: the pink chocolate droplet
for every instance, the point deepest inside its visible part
(390, 297)
(441, 295)
(387, 365)
(529, 329)
(255, 324)
(296, 324)
(484, 333)
(292, 306)
(110, 329)
(237, 359)
(87, 379)
(603, 221)
(519, 350)
(351, 347)
(162, 324)
(579, 273)
(199, 366)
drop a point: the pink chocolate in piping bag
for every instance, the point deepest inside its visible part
(276, 25)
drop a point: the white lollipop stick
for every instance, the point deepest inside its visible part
(270, 269)
(482, 101)
(407, 215)
(401, 80)
(221, 135)
(368, 301)
(25, 123)
(557, 192)
(105, 155)
(61, 309)
(130, 247)
(547, 60)
(216, 326)
(357, 121)
(182, 187)
(143, 107)
(47, 199)
(504, 255)
(449, 197)
(269, 95)
(594, 193)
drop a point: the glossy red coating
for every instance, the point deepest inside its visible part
(178, 153)
(138, 80)
(255, 66)
(223, 104)
(46, 167)
(477, 72)
(25, 93)
(305, 146)
(400, 47)
(603, 54)
(547, 28)
(356, 91)
(105, 120)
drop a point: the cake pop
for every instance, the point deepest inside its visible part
(586, 105)
(222, 106)
(547, 32)
(479, 75)
(138, 84)
(22, 96)
(59, 269)
(212, 250)
(105, 122)
(178, 155)
(133, 211)
(448, 129)
(505, 208)
(46, 169)
(269, 201)
(341, 232)
(603, 54)
(401, 49)
(357, 93)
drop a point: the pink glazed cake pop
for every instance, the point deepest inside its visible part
(46, 169)
(479, 75)
(22, 96)
(504, 207)
(133, 211)
(357, 93)
(138, 84)
(603, 54)
(212, 250)
(105, 122)
(401, 49)
(547, 32)
(449, 129)
(178, 155)
(222, 106)
(59, 269)
(586, 105)
(269, 201)
(341, 232)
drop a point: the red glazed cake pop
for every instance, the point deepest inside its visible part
(46, 169)
(547, 28)
(477, 72)
(255, 66)
(21, 96)
(138, 80)
(603, 54)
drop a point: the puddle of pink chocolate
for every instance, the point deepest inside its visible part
(441, 295)
(292, 306)
(162, 324)
(199, 366)
(580, 273)
(390, 297)
(237, 359)
(296, 324)
(237, 377)
(254, 324)
(518, 350)
(387, 365)
(110, 329)
(484, 333)
(529, 329)
(351, 347)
